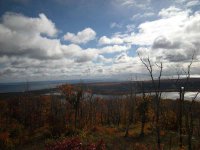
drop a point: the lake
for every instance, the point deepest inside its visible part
(38, 85)
(175, 95)
(165, 95)
(24, 86)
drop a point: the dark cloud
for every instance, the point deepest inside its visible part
(164, 43)
(7, 71)
(176, 58)
(100, 70)
(83, 58)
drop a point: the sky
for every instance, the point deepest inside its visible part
(97, 39)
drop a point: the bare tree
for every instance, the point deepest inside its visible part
(156, 87)
(182, 91)
(181, 103)
(189, 121)
(143, 110)
(131, 111)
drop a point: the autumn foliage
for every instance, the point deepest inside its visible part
(78, 116)
(75, 144)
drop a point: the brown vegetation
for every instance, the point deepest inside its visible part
(29, 120)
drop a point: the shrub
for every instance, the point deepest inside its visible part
(75, 144)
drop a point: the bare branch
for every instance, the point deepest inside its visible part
(149, 68)
(194, 98)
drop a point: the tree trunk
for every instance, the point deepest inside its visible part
(180, 118)
(76, 114)
(157, 123)
(127, 129)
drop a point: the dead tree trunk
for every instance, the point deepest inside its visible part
(156, 87)
(181, 116)
(144, 108)
(131, 112)
(182, 94)
(189, 121)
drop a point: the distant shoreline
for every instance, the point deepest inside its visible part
(111, 88)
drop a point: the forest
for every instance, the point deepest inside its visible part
(77, 119)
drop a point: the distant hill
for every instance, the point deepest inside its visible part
(125, 87)
(118, 88)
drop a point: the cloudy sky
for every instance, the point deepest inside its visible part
(96, 39)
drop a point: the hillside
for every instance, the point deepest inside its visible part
(167, 85)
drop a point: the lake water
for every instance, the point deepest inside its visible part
(37, 85)
(165, 95)
(175, 95)
(23, 86)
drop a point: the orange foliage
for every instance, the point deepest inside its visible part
(4, 137)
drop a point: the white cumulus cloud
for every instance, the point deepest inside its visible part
(83, 36)
(105, 40)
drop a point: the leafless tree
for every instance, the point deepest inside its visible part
(156, 87)
(189, 121)
(131, 111)
(143, 110)
(182, 91)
